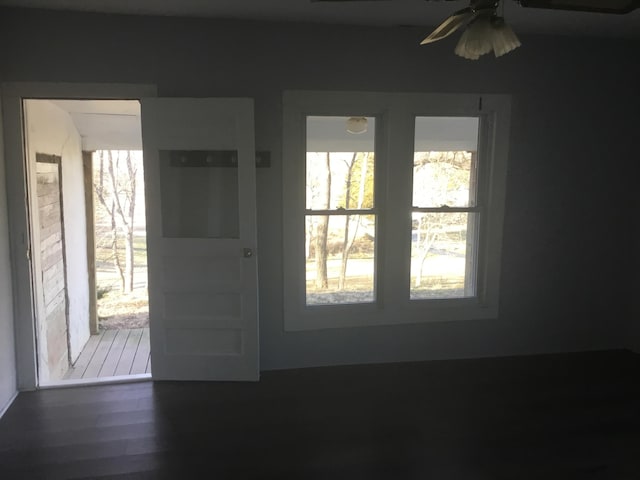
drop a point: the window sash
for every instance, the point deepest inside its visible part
(470, 277)
(352, 292)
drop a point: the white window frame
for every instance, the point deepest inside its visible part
(395, 128)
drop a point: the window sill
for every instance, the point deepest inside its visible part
(370, 315)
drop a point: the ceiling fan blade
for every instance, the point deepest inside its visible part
(450, 25)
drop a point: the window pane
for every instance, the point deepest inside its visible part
(339, 165)
(444, 162)
(340, 259)
(199, 194)
(443, 255)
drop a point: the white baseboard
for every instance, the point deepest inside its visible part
(4, 409)
(140, 377)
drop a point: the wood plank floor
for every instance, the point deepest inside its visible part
(113, 353)
(568, 417)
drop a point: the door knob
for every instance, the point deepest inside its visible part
(248, 253)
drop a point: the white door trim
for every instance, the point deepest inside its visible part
(12, 95)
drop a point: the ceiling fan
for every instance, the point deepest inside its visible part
(486, 31)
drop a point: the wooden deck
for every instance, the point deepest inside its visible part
(113, 353)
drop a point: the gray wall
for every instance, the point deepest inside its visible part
(7, 354)
(565, 272)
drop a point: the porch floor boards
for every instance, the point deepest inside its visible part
(110, 353)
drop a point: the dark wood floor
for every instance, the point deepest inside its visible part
(574, 416)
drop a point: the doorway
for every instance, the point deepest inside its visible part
(203, 326)
(87, 220)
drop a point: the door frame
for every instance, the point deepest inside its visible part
(24, 311)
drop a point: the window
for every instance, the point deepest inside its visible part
(393, 207)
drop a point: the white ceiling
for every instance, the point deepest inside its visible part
(105, 124)
(377, 13)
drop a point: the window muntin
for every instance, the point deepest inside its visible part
(444, 209)
(199, 194)
(340, 218)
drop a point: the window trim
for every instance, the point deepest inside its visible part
(395, 127)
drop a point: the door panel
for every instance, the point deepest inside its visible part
(199, 160)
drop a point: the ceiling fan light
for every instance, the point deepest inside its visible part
(504, 40)
(476, 40)
(461, 48)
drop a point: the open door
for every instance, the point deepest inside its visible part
(199, 163)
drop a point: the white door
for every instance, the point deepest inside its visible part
(199, 162)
